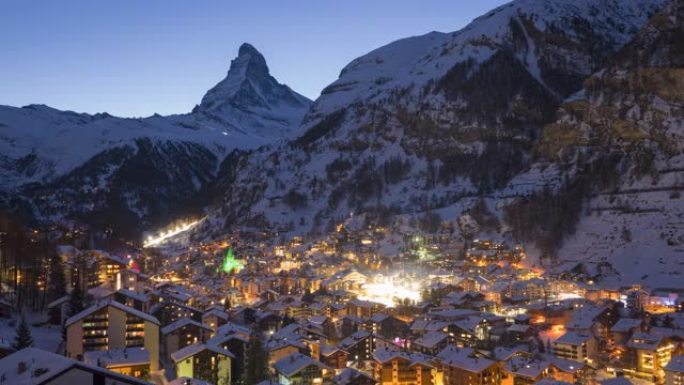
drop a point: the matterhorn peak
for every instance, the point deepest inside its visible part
(249, 88)
(253, 60)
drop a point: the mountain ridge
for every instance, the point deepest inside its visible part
(44, 152)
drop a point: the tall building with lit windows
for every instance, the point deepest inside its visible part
(650, 353)
(111, 325)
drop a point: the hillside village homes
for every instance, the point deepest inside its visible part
(320, 317)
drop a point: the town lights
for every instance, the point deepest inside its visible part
(389, 290)
(163, 236)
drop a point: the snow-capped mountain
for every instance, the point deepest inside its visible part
(432, 123)
(250, 97)
(60, 164)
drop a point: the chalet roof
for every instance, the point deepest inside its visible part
(294, 363)
(216, 312)
(354, 339)
(464, 358)
(431, 339)
(196, 348)
(625, 325)
(103, 304)
(348, 375)
(181, 323)
(386, 354)
(645, 341)
(573, 338)
(142, 297)
(42, 366)
(526, 366)
(117, 357)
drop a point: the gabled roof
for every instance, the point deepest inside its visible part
(347, 375)
(645, 341)
(193, 349)
(625, 325)
(387, 354)
(117, 357)
(526, 366)
(464, 358)
(42, 366)
(181, 323)
(573, 338)
(216, 312)
(233, 328)
(584, 317)
(103, 304)
(431, 339)
(294, 363)
(354, 339)
(142, 297)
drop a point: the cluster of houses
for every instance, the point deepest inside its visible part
(492, 323)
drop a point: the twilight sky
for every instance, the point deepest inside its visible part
(138, 57)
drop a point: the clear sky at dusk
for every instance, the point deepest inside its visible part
(138, 57)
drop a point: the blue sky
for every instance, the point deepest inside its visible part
(138, 57)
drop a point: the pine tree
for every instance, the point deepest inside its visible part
(56, 280)
(256, 370)
(23, 338)
(76, 298)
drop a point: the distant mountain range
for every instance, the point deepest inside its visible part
(557, 123)
(133, 173)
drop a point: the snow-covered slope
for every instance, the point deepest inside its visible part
(431, 122)
(632, 113)
(58, 164)
(543, 35)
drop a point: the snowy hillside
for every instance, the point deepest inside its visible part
(431, 122)
(50, 159)
(631, 112)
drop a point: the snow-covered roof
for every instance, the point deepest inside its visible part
(625, 325)
(233, 328)
(386, 354)
(216, 312)
(645, 341)
(526, 366)
(142, 297)
(348, 375)
(103, 304)
(464, 358)
(42, 366)
(181, 323)
(354, 339)
(431, 339)
(573, 338)
(117, 357)
(584, 317)
(193, 349)
(292, 364)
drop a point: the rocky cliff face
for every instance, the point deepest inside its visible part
(132, 173)
(619, 142)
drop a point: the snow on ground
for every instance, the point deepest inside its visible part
(45, 336)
